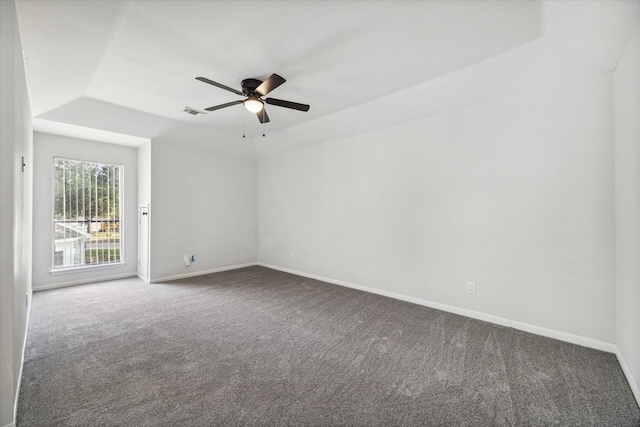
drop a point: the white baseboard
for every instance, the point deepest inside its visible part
(83, 281)
(564, 336)
(627, 373)
(202, 272)
(24, 348)
(526, 327)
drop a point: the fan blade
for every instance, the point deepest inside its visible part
(228, 104)
(287, 104)
(220, 85)
(263, 119)
(270, 84)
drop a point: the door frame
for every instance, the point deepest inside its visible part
(147, 243)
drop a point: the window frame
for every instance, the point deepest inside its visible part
(121, 209)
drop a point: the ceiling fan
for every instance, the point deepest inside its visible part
(253, 90)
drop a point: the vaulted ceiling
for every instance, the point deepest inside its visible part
(127, 68)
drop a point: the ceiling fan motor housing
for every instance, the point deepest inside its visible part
(249, 86)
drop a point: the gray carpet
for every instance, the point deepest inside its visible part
(258, 347)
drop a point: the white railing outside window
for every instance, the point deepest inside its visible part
(86, 214)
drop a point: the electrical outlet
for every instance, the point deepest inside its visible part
(292, 255)
(186, 260)
(471, 287)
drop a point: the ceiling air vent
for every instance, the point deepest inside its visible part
(193, 111)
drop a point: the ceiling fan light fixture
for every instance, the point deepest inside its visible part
(253, 104)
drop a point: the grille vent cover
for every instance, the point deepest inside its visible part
(193, 111)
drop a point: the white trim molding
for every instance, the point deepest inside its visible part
(37, 288)
(202, 272)
(627, 373)
(564, 336)
(526, 327)
(24, 349)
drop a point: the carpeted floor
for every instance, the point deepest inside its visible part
(258, 347)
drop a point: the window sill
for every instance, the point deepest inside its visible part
(87, 268)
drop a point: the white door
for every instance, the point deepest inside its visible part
(143, 243)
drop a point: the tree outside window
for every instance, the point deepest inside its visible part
(86, 214)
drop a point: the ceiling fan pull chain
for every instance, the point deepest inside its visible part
(263, 121)
(243, 114)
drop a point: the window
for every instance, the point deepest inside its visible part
(86, 214)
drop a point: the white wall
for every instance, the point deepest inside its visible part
(515, 195)
(15, 215)
(47, 146)
(144, 174)
(627, 207)
(203, 204)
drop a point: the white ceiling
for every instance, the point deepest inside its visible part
(129, 67)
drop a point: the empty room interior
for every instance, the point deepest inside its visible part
(320, 213)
